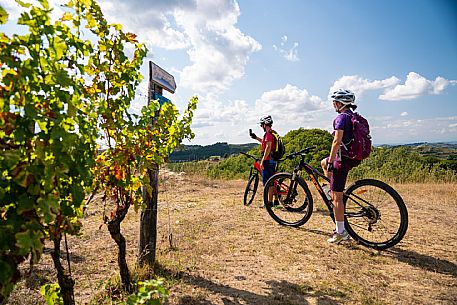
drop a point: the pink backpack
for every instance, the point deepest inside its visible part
(359, 147)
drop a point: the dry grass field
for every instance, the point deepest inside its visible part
(214, 250)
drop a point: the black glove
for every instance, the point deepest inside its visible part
(253, 135)
(329, 167)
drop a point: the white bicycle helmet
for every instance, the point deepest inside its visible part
(343, 96)
(267, 120)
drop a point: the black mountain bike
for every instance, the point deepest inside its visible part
(375, 214)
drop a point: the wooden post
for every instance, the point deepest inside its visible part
(148, 218)
(159, 79)
(148, 222)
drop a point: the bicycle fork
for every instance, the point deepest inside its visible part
(292, 188)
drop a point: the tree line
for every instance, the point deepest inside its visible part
(399, 164)
(199, 152)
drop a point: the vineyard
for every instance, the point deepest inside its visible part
(67, 131)
(78, 166)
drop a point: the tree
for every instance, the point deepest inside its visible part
(48, 135)
(133, 144)
(58, 94)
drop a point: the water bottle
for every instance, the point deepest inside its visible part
(327, 191)
(328, 194)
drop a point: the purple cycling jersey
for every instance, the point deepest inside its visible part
(343, 122)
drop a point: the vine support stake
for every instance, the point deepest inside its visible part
(159, 79)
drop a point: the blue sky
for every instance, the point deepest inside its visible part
(245, 59)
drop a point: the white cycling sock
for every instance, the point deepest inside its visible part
(339, 227)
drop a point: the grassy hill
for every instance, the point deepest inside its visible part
(214, 250)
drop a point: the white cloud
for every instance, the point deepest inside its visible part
(290, 106)
(404, 113)
(218, 51)
(215, 113)
(289, 54)
(416, 86)
(152, 23)
(359, 85)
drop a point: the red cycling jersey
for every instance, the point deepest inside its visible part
(268, 137)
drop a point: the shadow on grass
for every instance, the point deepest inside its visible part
(413, 258)
(315, 231)
(278, 292)
(426, 262)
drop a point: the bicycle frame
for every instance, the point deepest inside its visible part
(314, 175)
(256, 164)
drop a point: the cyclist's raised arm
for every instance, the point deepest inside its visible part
(254, 136)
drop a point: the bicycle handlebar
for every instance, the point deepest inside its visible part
(302, 152)
(248, 155)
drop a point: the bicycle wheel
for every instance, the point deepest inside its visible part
(376, 215)
(292, 206)
(251, 189)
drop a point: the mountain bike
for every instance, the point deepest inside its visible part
(375, 214)
(253, 181)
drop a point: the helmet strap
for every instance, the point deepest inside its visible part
(343, 106)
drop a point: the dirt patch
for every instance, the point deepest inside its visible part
(221, 252)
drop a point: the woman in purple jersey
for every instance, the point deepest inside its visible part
(336, 166)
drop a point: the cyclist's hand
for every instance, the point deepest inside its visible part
(253, 135)
(329, 166)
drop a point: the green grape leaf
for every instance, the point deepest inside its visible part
(49, 207)
(44, 3)
(23, 4)
(7, 271)
(29, 241)
(3, 15)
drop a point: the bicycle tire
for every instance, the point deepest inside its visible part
(249, 193)
(299, 214)
(382, 222)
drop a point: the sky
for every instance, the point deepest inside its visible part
(249, 58)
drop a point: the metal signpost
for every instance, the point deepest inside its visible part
(159, 79)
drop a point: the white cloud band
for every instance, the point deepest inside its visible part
(414, 86)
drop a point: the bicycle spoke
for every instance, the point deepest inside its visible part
(382, 221)
(291, 206)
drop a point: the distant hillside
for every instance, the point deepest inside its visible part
(199, 152)
(443, 151)
(418, 162)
